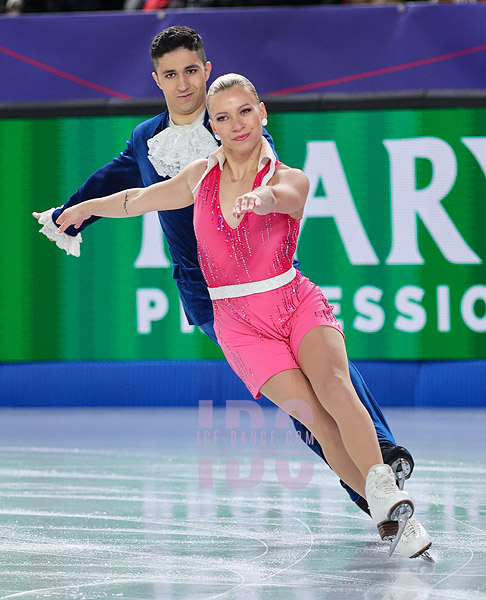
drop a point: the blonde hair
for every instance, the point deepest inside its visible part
(228, 81)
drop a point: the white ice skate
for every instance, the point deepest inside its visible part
(390, 507)
(415, 541)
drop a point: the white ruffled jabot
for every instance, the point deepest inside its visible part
(178, 145)
(64, 241)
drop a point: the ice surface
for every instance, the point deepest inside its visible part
(146, 505)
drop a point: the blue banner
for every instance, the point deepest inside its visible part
(316, 49)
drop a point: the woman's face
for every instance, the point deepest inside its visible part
(236, 116)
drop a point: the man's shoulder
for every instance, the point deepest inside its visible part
(150, 125)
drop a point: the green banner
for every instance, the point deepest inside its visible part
(393, 232)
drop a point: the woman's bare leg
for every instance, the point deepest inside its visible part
(344, 429)
(341, 423)
(323, 360)
(293, 385)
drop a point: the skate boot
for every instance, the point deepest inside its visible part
(415, 541)
(390, 507)
(400, 460)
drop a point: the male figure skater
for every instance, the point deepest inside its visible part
(158, 149)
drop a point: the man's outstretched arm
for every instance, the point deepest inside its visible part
(121, 173)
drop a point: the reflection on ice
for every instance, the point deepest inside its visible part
(124, 515)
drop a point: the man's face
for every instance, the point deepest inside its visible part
(182, 76)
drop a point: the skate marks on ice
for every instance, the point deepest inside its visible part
(86, 523)
(87, 533)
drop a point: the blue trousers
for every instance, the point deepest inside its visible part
(385, 436)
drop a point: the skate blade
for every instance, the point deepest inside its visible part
(400, 477)
(427, 557)
(401, 470)
(401, 514)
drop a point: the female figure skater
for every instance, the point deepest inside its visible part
(273, 325)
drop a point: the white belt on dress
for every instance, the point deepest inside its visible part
(254, 287)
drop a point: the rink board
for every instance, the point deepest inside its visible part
(452, 384)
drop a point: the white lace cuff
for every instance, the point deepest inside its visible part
(64, 241)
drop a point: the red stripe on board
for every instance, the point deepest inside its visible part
(377, 72)
(63, 74)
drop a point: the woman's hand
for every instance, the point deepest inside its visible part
(260, 201)
(286, 195)
(75, 215)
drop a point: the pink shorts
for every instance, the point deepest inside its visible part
(260, 334)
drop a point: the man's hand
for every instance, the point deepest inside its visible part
(37, 216)
(69, 243)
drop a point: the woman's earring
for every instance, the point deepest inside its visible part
(217, 137)
(264, 121)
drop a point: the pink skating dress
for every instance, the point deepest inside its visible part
(259, 333)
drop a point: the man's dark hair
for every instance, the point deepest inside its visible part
(173, 38)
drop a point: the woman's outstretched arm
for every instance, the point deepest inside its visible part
(166, 195)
